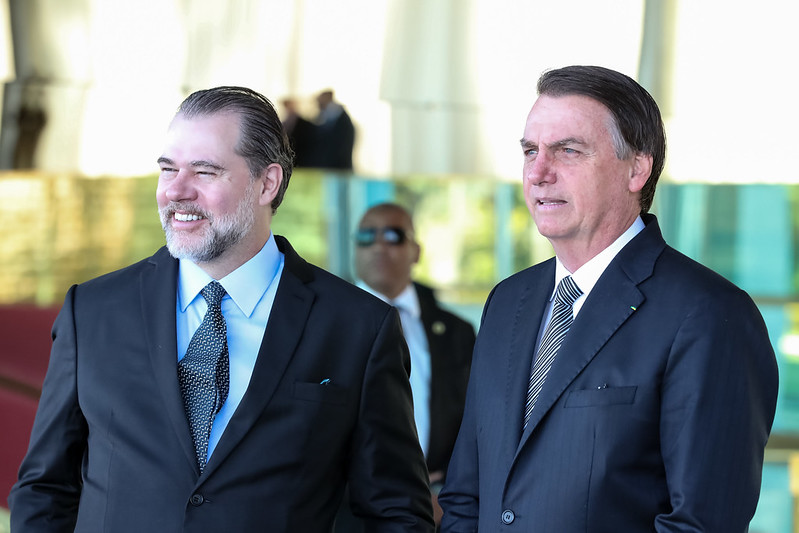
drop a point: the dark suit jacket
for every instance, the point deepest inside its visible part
(333, 144)
(303, 141)
(451, 341)
(653, 417)
(111, 449)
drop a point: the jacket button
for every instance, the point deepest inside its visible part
(197, 499)
(507, 516)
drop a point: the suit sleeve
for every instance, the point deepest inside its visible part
(45, 497)
(718, 401)
(388, 477)
(460, 497)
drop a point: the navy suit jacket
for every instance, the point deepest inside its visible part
(111, 449)
(654, 415)
(451, 341)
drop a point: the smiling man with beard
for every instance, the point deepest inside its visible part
(223, 384)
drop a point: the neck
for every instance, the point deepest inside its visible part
(232, 259)
(392, 291)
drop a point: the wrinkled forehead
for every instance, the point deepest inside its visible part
(208, 137)
(555, 117)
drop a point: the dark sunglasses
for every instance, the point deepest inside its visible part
(391, 235)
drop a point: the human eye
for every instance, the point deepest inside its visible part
(570, 150)
(530, 151)
(207, 169)
(166, 165)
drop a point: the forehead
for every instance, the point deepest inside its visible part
(208, 136)
(385, 217)
(556, 117)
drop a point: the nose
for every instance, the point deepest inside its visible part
(539, 170)
(180, 187)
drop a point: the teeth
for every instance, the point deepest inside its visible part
(185, 218)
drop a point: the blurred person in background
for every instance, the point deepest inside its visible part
(440, 342)
(223, 384)
(301, 133)
(335, 135)
(619, 386)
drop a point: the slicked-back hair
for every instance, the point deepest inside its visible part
(636, 118)
(262, 140)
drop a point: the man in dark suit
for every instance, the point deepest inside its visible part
(301, 133)
(334, 137)
(652, 392)
(303, 378)
(440, 342)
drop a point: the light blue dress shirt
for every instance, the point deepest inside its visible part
(250, 294)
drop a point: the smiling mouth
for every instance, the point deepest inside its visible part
(187, 217)
(551, 202)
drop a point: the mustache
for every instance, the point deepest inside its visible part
(185, 207)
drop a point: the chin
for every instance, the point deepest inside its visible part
(186, 248)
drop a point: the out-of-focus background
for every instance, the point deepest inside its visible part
(438, 92)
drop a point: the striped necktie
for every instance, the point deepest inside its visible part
(562, 317)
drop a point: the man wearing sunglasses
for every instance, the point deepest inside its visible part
(440, 343)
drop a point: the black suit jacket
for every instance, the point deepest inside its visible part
(451, 341)
(653, 417)
(111, 449)
(302, 137)
(333, 144)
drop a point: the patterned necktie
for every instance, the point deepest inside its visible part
(562, 317)
(204, 372)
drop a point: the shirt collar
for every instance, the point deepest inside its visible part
(407, 299)
(246, 285)
(587, 275)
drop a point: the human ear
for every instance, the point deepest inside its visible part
(270, 179)
(640, 171)
(417, 252)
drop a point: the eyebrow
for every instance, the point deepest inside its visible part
(567, 141)
(196, 163)
(206, 164)
(562, 142)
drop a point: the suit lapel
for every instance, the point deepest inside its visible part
(158, 294)
(527, 321)
(611, 302)
(436, 345)
(287, 320)
(603, 313)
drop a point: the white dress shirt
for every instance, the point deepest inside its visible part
(587, 275)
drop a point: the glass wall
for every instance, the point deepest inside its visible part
(60, 229)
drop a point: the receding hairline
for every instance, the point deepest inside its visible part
(389, 207)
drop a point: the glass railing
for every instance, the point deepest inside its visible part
(62, 229)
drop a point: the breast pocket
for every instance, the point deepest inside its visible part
(320, 392)
(601, 397)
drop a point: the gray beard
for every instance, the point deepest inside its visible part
(222, 233)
